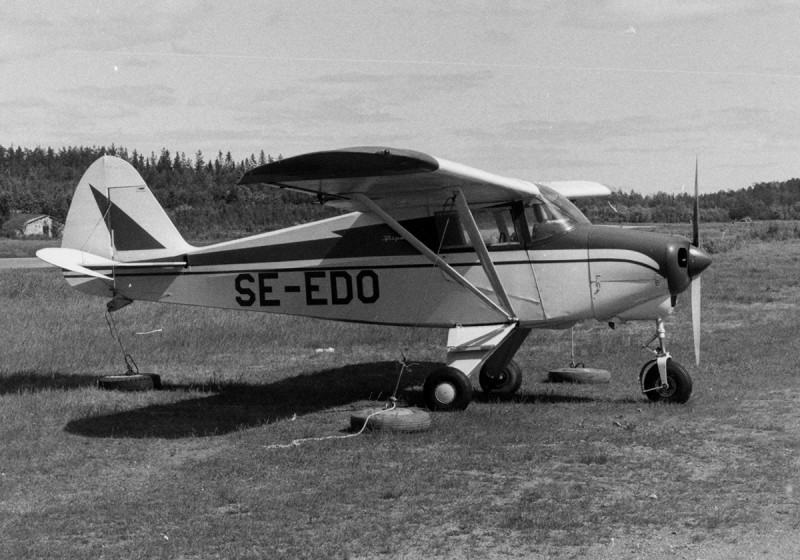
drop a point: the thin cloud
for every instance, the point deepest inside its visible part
(688, 10)
(137, 96)
(25, 103)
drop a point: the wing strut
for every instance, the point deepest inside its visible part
(436, 259)
(483, 253)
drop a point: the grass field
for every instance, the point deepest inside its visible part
(558, 471)
(18, 248)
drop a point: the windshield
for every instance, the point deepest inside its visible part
(553, 216)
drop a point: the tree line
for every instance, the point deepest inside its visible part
(201, 196)
(775, 200)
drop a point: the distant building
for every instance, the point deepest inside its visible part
(32, 225)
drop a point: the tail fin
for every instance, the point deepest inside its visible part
(114, 221)
(114, 215)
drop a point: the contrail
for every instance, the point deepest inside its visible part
(471, 64)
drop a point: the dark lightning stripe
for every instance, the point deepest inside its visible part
(127, 234)
(327, 268)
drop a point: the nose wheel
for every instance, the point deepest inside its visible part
(677, 389)
(663, 379)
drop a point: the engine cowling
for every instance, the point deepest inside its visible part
(684, 262)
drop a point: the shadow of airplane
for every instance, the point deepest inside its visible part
(235, 406)
(232, 407)
(34, 381)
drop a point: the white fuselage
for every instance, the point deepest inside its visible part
(318, 270)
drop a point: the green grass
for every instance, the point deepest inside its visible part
(20, 248)
(556, 471)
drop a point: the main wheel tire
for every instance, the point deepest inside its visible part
(678, 380)
(408, 420)
(447, 389)
(135, 382)
(506, 381)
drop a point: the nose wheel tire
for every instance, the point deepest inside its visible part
(506, 381)
(679, 383)
(447, 389)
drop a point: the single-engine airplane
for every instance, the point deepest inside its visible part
(428, 243)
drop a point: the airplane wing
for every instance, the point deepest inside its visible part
(578, 189)
(393, 179)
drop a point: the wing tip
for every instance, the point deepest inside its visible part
(578, 189)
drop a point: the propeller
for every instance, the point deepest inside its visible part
(686, 264)
(696, 213)
(696, 284)
(696, 318)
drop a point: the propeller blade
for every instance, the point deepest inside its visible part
(696, 289)
(696, 213)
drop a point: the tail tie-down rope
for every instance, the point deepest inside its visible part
(130, 364)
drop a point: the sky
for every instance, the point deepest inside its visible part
(624, 92)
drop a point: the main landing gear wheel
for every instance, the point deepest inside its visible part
(679, 383)
(506, 381)
(447, 389)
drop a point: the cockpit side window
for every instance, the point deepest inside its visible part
(496, 226)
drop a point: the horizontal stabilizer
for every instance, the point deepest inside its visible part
(76, 261)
